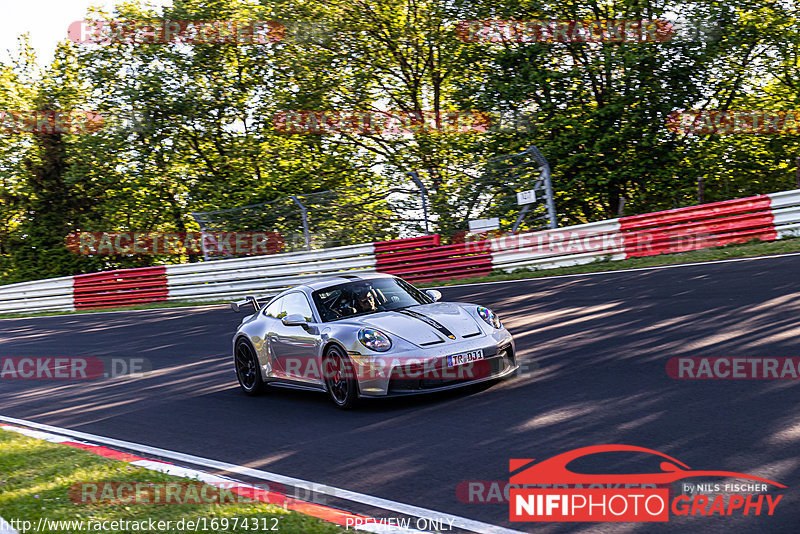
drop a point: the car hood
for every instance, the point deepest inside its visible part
(427, 324)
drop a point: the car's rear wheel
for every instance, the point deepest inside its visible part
(340, 379)
(247, 369)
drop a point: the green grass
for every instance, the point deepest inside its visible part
(745, 250)
(35, 478)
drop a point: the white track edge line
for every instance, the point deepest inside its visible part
(369, 500)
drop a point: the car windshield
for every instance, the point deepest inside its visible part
(363, 297)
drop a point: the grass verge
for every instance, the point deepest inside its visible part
(36, 476)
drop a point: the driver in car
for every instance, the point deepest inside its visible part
(365, 301)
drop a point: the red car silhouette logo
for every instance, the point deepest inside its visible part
(554, 470)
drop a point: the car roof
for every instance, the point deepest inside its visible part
(322, 283)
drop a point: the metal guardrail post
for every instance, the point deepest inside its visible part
(548, 185)
(304, 213)
(424, 192)
(201, 222)
(551, 203)
(521, 216)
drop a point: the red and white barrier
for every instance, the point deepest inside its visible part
(762, 217)
(124, 287)
(420, 259)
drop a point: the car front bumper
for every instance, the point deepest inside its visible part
(426, 371)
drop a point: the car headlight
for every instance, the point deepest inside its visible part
(374, 339)
(489, 317)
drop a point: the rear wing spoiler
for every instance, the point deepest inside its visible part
(241, 305)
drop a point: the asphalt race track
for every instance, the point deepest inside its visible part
(595, 349)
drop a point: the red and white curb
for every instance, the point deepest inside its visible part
(423, 516)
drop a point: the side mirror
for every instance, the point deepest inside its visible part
(434, 294)
(295, 319)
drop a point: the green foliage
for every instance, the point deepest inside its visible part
(191, 128)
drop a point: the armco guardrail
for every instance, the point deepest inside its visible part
(764, 217)
(572, 245)
(785, 207)
(263, 275)
(39, 295)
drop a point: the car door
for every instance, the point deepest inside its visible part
(295, 348)
(272, 322)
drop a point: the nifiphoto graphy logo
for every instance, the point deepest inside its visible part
(550, 491)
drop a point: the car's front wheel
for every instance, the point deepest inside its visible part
(247, 369)
(340, 379)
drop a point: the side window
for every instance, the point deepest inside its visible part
(274, 308)
(296, 303)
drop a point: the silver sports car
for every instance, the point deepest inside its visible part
(368, 335)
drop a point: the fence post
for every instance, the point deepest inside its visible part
(202, 223)
(415, 178)
(304, 213)
(521, 216)
(548, 185)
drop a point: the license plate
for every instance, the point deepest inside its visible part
(464, 357)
